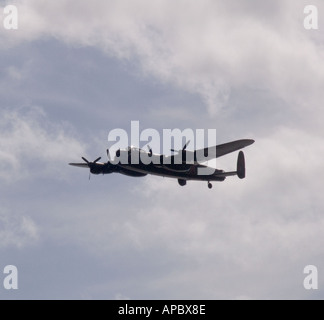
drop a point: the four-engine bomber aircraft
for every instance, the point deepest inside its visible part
(184, 165)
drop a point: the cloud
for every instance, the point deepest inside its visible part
(32, 145)
(249, 238)
(14, 73)
(210, 47)
(17, 230)
(267, 226)
(243, 238)
(120, 296)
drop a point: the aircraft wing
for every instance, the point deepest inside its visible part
(81, 165)
(221, 149)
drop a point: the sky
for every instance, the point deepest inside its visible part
(74, 70)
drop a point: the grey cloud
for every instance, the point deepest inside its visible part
(210, 48)
(150, 238)
(28, 138)
(17, 230)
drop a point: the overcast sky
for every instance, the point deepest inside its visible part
(74, 70)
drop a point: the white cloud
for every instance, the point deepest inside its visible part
(267, 226)
(231, 241)
(32, 145)
(209, 47)
(17, 230)
(244, 238)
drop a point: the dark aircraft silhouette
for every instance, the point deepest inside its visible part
(184, 165)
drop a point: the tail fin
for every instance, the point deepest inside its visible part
(241, 165)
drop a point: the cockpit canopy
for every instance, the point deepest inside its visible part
(134, 149)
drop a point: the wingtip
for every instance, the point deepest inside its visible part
(249, 141)
(82, 165)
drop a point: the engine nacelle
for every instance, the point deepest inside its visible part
(101, 168)
(96, 168)
(182, 182)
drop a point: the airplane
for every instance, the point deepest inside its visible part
(182, 165)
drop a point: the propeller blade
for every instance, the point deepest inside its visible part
(183, 149)
(108, 154)
(185, 146)
(149, 149)
(85, 160)
(91, 165)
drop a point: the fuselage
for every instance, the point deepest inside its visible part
(138, 166)
(186, 172)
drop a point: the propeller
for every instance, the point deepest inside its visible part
(90, 163)
(84, 159)
(184, 147)
(150, 150)
(108, 154)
